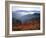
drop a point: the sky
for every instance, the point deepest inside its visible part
(28, 8)
(24, 8)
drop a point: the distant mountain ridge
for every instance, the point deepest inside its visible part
(27, 11)
(28, 17)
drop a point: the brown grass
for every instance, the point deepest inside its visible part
(33, 25)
